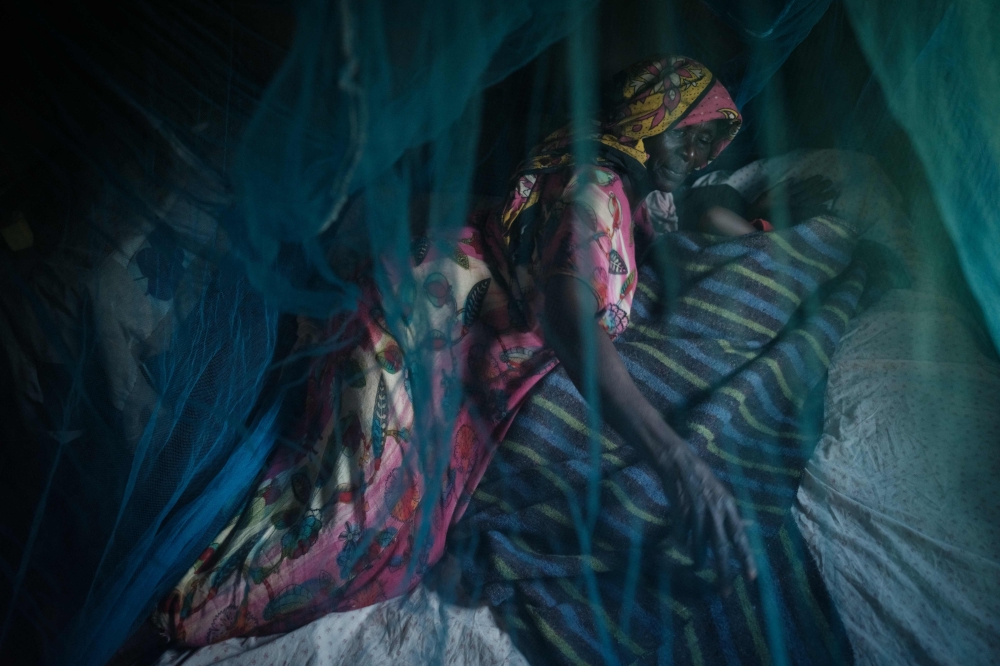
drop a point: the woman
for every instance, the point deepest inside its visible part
(360, 511)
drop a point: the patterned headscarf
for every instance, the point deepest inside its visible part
(648, 98)
(664, 93)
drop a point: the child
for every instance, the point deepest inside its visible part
(721, 210)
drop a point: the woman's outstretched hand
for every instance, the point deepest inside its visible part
(801, 198)
(705, 511)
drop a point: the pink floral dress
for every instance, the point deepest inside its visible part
(359, 508)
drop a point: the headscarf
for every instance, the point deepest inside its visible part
(648, 98)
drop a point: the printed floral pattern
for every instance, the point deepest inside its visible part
(334, 522)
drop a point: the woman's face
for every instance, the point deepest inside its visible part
(674, 154)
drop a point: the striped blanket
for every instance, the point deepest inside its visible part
(734, 351)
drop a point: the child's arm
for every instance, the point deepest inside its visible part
(720, 210)
(715, 209)
(722, 221)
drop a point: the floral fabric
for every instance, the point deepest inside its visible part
(355, 508)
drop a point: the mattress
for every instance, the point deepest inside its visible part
(899, 502)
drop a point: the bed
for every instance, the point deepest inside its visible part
(897, 504)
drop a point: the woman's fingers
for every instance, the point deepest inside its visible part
(705, 513)
(726, 530)
(797, 192)
(677, 471)
(699, 515)
(669, 470)
(816, 190)
(720, 544)
(812, 183)
(738, 534)
(680, 509)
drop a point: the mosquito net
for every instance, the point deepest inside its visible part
(182, 180)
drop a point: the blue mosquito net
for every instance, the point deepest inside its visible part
(176, 173)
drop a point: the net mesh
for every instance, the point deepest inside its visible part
(176, 177)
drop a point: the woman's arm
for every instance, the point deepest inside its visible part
(708, 510)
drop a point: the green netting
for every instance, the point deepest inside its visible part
(182, 180)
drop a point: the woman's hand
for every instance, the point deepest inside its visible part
(801, 198)
(706, 512)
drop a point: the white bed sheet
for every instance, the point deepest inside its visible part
(419, 628)
(901, 502)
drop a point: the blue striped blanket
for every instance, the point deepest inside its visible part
(566, 534)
